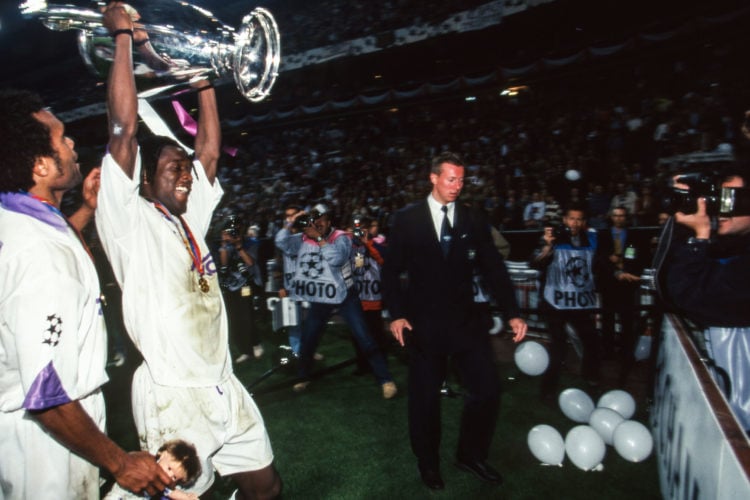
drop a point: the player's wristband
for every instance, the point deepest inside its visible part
(125, 31)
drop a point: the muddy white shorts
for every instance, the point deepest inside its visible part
(222, 421)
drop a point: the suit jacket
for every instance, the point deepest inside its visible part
(611, 288)
(437, 295)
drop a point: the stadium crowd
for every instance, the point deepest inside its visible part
(622, 133)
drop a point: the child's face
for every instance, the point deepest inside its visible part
(172, 467)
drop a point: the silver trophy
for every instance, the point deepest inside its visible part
(175, 42)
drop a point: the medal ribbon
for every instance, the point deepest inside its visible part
(191, 245)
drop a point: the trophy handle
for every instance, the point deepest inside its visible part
(257, 55)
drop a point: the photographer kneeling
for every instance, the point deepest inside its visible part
(708, 280)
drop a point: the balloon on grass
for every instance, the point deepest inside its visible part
(585, 448)
(576, 405)
(633, 441)
(546, 444)
(604, 421)
(531, 358)
(620, 401)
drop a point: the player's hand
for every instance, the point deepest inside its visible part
(140, 473)
(90, 188)
(116, 17)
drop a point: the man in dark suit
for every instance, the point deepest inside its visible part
(619, 283)
(439, 244)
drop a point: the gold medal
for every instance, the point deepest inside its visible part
(203, 284)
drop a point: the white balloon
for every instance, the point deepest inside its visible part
(576, 405)
(620, 401)
(604, 421)
(572, 175)
(531, 358)
(585, 448)
(546, 444)
(633, 441)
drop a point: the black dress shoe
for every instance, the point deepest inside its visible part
(481, 469)
(431, 478)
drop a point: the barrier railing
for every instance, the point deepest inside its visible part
(702, 452)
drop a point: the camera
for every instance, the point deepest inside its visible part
(725, 202)
(357, 231)
(561, 234)
(232, 226)
(306, 220)
(700, 185)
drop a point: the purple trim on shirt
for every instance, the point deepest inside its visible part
(25, 204)
(46, 391)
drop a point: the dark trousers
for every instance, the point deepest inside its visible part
(622, 302)
(427, 371)
(243, 333)
(376, 329)
(351, 310)
(583, 322)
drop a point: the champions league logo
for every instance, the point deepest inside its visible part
(577, 271)
(311, 265)
(53, 331)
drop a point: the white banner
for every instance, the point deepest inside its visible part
(700, 447)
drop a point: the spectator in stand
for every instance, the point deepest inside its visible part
(533, 213)
(624, 197)
(514, 208)
(647, 207)
(598, 206)
(552, 211)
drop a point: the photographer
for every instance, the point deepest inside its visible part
(241, 284)
(568, 256)
(368, 247)
(323, 277)
(707, 280)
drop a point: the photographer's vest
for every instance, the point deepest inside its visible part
(314, 278)
(290, 266)
(570, 277)
(366, 274)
